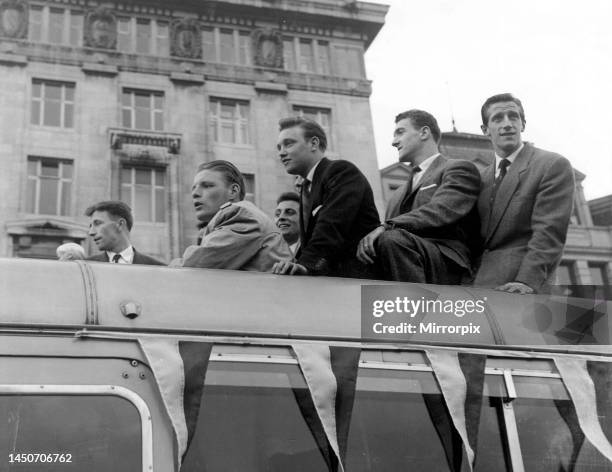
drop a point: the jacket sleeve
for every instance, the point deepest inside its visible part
(454, 197)
(235, 237)
(343, 190)
(550, 218)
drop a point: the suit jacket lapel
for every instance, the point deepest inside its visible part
(393, 207)
(315, 193)
(488, 181)
(437, 162)
(508, 188)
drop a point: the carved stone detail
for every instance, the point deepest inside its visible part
(186, 38)
(101, 29)
(268, 48)
(14, 19)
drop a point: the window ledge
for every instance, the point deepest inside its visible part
(13, 59)
(99, 69)
(187, 78)
(271, 87)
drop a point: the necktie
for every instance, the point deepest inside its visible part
(306, 204)
(503, 170)
(406, 204)
(116, 258)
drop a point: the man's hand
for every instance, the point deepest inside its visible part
(365, 250)
(516, 287)
(287, 267)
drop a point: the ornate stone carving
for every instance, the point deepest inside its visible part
(268, 48)
(14, 19)
(186, 38)
(101, 29)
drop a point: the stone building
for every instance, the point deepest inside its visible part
(587, 258)
(122, 100)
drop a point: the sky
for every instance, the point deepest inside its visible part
(448, 56)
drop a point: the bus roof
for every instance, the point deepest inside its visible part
(43, 293)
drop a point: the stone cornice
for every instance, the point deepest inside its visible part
(80, 57)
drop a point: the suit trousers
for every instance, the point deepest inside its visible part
(405, 257)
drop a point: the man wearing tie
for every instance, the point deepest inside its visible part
(525, 204)
(110, 226)
(431, 220)
(336, 204)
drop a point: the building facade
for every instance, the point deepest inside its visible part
(587, 257)
(123, 100)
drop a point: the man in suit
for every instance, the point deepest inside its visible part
(287, 219)
(525, 204)
(235, 233)
(337, 204)
(430, 219)
(110, 226)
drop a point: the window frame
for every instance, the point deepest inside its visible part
(66, 32)
(60, 186)
(131, 36)
(153, 188)
(97, 390)
(64, 103)
(240, 120)
(153, 112)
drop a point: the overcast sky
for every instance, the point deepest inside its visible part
(555, 55)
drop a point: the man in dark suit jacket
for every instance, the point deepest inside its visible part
(110, 226)
(431, 219)
(336, 208)
(525, 204)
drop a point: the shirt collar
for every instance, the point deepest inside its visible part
(427, 162)
(310, 174)
(127, 255)
(511, 157)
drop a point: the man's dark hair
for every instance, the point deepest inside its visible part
(502, 97)
(114, 208)
(230, 173)
(288, 196)
(310, 128)
(420, 119)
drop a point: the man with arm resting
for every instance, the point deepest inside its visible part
(525, 204)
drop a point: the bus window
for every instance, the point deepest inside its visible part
(549, 433)
(70, 433)
(400, 422)
(250, 420)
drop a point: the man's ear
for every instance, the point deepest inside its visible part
(314, 143)
(485, 130)
(234, 192)
(523, 126)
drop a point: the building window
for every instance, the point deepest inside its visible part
(229, 121)
(142, 109)
(143, 36)
(55, 25)
(599, 275)
(306, 55)
(249, 184)
(49, 186)
(52, 103)
(320, 115)
(144, 190)
(226, 45)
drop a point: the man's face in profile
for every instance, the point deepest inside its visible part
(286, 218)
(105, 230)
(210, 190)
